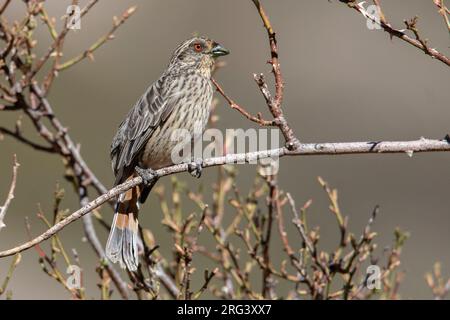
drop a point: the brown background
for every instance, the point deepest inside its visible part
(343, 83)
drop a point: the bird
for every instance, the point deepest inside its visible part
(180, 99)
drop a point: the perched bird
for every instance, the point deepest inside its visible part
(180, 99)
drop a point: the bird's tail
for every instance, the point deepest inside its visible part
(122, 245)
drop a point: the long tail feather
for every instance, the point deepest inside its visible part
(122, 245)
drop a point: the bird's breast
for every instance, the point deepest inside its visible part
(189, 117)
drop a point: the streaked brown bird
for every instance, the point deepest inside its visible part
(180, 99)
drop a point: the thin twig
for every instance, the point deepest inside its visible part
(273, 208)
(275, 104)
(4, 6)
(109, 36)
(55, 45)
(10, 195)
(299, 224)
(18, 136)
(91, 235)
(396, 32)
(444, 12)
(38, 109)
(258, 118)
(9, 275)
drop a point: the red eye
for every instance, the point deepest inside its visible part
(198, 47)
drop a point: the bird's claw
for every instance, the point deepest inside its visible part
(195, 168)
(147, 175)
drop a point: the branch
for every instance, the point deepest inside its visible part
(396, 32)
(38, 109)
(18, 135)
(9, 275)
(109, 36)
(65, 142)
(55, 45)
(300, 226)
(443, 10)
(10, 196)
(8, 107)
(258, 118)
(407, 147)
(4, 6)
(275, 104)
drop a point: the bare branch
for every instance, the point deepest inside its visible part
(299, 224)
(444, 11)
(38, 109)
(275, 104)
(18, 136)
(56, 44)
(8, 107)
(109, 36)
(258, 118)
(4, 6)
(9, 275)
(396, 32)
(407, 147)
(411, 25)
(10, 195)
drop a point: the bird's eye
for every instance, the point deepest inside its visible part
(198, 47)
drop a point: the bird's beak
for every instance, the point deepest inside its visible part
(218, 51)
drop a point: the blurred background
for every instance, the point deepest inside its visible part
(344, 82)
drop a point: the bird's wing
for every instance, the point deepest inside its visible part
(151, 110)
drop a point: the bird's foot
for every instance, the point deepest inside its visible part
(148, 175)
(195, 168)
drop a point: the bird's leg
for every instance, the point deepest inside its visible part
(148, 175)
(195, 168)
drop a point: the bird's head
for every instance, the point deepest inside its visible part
(197, 54)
